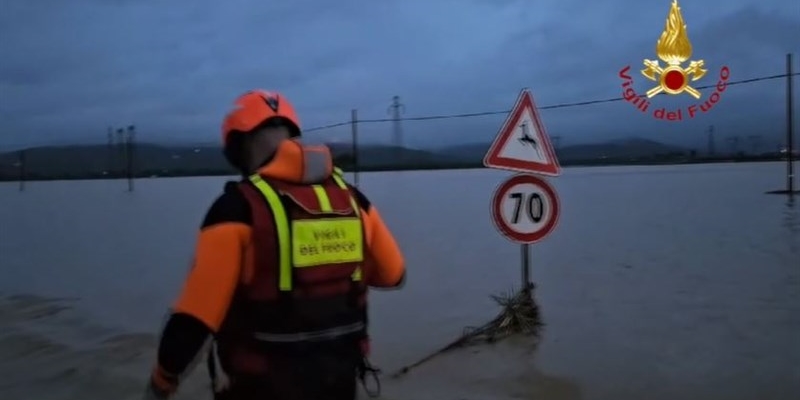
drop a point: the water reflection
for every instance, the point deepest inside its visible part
(791, 222)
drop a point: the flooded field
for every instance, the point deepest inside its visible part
(674, 282)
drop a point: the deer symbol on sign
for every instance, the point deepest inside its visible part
(527, 139)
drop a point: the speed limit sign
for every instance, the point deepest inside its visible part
(525, 208)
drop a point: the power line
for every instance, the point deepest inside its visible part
(319, 128)
(487, 113)
(562, 105)
(549, 107)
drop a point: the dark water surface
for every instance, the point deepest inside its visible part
(675, 282)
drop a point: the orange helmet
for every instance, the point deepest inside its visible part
(257, 107)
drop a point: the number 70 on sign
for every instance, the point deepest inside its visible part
(532, 204)
(525, 208)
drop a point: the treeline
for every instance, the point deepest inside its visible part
(347, 164)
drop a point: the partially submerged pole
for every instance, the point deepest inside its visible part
(790, 190)
(526, 267)
(354, 142)
(789, 128)
(119, 169)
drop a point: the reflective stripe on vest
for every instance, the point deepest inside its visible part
(315, 336)
(337, 176)
(289, 256)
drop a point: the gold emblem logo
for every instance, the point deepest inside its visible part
(674, 48)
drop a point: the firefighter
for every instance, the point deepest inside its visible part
(277, 294)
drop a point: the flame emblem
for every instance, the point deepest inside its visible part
(674, 48)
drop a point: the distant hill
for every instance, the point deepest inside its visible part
(154, 160)
(633, 148)
(98, 160)
(95, 161)
(379, 156)
(465, 152)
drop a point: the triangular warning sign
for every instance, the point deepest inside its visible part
(522, 143)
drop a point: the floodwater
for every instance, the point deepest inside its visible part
(673, 282)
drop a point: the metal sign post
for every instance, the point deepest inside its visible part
(525, 209)
(526, 266)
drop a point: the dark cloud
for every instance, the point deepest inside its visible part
(69, 69)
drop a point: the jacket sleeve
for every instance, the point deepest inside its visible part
(384, 265)
(207, 291)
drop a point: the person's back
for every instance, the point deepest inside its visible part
(281, 270)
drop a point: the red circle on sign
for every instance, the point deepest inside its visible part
(497, 209)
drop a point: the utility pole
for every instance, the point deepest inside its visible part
(129, 154)
(21, 163)
(790, 190)
(119, 168)
(711, 143)
(789, 128)
(354, 142)
(734, 143)
(755, 143)
(110, 151)
(395, 110)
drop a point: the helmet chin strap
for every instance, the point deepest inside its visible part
(257, 165)
(270, 152)
(267, 160)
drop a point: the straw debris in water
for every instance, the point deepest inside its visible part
(519, 315)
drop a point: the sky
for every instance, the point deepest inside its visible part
(70, 69)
